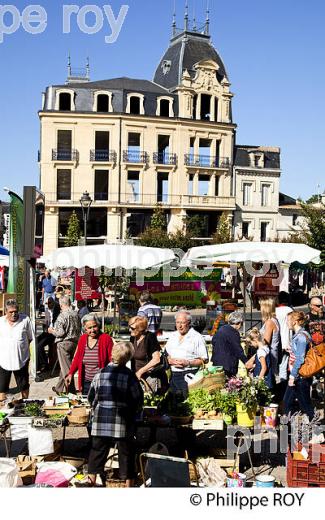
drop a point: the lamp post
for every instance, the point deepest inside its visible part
(85, 203)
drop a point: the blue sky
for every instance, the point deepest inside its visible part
(273, 51)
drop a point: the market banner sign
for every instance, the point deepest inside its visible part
(16, 259)
(183, 290)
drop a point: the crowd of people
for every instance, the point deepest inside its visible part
(112, 373)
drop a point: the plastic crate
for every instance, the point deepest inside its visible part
(305, 473)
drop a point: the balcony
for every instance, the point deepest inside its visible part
(65, 155)
(135, 157)
(208, 201)
(206, 161)
(107, 156)
(169, 159)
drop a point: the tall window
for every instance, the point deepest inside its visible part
(216, 189)
(205, 107)
(264, 231)
(64, 145)
(134, 146)
(190, 184)
(203, 185)
(265, 194)
(101, 185)
(247, 194)
(216, 108)
(205, 152)
(63, 185)
(245, 229)
(163, 149)
(164, 107)
(102, 103)
(65, 101)
(135, 105)
(101, 146)
(162, 187)
(133, 186)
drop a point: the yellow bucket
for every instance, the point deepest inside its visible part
(245, 417)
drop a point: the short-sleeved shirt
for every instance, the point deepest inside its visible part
(262, 351)
(14, 342)
(191, 347)
(47, 285)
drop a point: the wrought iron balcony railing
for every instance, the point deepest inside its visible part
(130, 156)
(102, 156)
(65, 155)
(165, 158)
(206, 161)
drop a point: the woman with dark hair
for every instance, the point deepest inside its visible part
(93, 352)
(298, 386)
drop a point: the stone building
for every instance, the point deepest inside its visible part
(133, 143)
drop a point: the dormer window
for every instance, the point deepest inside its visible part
(165, 107)
(135, 104)
(103, 102)
(65, 100)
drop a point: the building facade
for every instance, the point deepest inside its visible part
(133, 144)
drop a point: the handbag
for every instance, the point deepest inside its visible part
(162, 366)
(314, 360)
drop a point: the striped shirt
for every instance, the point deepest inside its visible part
(90, 362)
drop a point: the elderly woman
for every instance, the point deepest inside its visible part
(271, 332)
(93, 353)
(146, 350)
(226, 348)
(116, 397)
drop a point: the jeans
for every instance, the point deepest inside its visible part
(283, 368)
(178, 384)
(301, 391)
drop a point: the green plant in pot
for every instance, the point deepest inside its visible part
(227, 405)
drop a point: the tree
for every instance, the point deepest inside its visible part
(223, 233)
(73, 231)
(314, 199)
(158, 219)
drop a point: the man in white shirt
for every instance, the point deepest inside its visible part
(16, 333)
(186, 351)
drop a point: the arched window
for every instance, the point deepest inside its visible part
(65, 101)
(165, 106)
(135, 104)
(102, 103)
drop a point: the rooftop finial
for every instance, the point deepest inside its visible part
(194, 19)
(69, 65)
(186, 16)
(87, 68)
(174, 20)
(207, 20)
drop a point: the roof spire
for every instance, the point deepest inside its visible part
(69, 65)
(87, 68)
(207, 20)
(194, 18)
(186, 16)
(174, 20)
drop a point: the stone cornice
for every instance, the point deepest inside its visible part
(258, 173)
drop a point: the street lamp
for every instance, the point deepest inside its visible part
(85, 203)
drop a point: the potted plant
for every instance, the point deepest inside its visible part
(253, 392)
(227, 405)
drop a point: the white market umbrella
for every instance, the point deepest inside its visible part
(238, 252)
(4, 261)
(111, 256)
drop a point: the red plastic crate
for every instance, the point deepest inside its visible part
(305, 473)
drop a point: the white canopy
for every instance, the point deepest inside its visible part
(110, 256)
(236, 252)
(4, 261)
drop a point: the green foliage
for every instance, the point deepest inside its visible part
(73, 231)
(313, 199)
(223, 233)
(119, 283)
(201, 399)
(227, 403)
(158, 219)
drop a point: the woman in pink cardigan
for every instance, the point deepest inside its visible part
(93, 353)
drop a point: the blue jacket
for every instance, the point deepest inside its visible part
(299, 348)
(227, 350)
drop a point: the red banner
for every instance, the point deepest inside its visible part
(87, 285)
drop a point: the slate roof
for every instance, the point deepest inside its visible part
(271, 157)
(124, 83)
(184, 51)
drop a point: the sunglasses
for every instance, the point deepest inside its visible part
(317, 304)
(132, 328)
